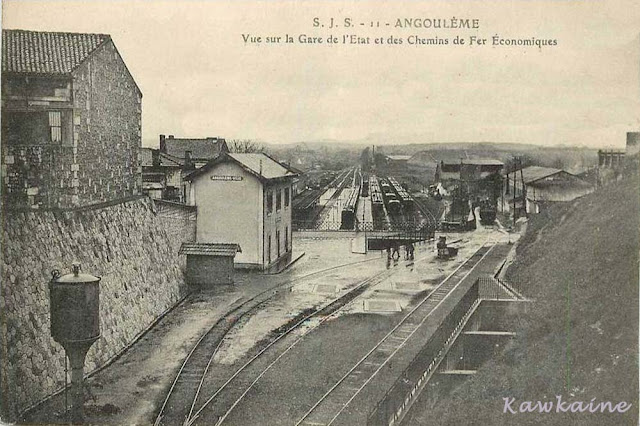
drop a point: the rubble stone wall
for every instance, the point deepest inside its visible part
(127, 245)
(179, 221)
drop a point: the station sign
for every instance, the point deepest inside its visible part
(226, 178)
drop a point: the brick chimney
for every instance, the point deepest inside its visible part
(163, 144)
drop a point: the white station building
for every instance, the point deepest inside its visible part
(245, 199)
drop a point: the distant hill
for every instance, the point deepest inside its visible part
(579, 261)
(572, 159)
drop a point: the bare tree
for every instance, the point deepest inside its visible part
(243, 146)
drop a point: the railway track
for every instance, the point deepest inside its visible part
(324, 218)
(226, 397)
(223, 401)
(327, 409)
(186, 393)
(179, 403)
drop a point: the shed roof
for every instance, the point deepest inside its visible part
(399, 157)
(210, 249)
(534, 173)
(260, 165)
(38, 52)
(475, 162)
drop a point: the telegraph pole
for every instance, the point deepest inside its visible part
(515, 174)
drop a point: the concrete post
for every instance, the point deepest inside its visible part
(77, 352)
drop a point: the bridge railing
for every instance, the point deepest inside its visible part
(492, 288)
(399, 397)
(360, 225)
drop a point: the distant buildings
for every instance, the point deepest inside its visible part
(163, 169)
(468, 170)
(633, 143)
(245, 199)
(161, 175)
(610, 158)
(397, 160)
(71, 121)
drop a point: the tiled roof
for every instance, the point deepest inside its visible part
(38, 52)
(201, 149)
(210, 249)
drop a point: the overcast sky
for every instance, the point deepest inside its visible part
(199, 78)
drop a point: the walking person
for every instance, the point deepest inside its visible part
(410, 251)
(395, 254)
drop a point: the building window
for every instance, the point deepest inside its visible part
(269, 202)
(287, 195)
(37, 128)
(278, 200)
(55, 126)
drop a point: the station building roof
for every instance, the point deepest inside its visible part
(260, 165)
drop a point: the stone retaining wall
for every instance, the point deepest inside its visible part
(128, 245)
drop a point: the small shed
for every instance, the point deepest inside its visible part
(209, 264)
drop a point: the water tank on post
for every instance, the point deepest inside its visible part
(75, 324)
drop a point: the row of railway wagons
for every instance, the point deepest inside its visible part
(349, 208)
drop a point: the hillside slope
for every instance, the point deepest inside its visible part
(580, 340)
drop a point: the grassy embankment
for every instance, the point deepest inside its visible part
(580, 340)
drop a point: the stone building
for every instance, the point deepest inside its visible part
(163, 169)
(245, 199)
(71, 121)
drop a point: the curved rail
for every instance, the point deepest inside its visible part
(324, 310)
(224, 324)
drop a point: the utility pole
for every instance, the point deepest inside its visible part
(515, 174)
(524, 191)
